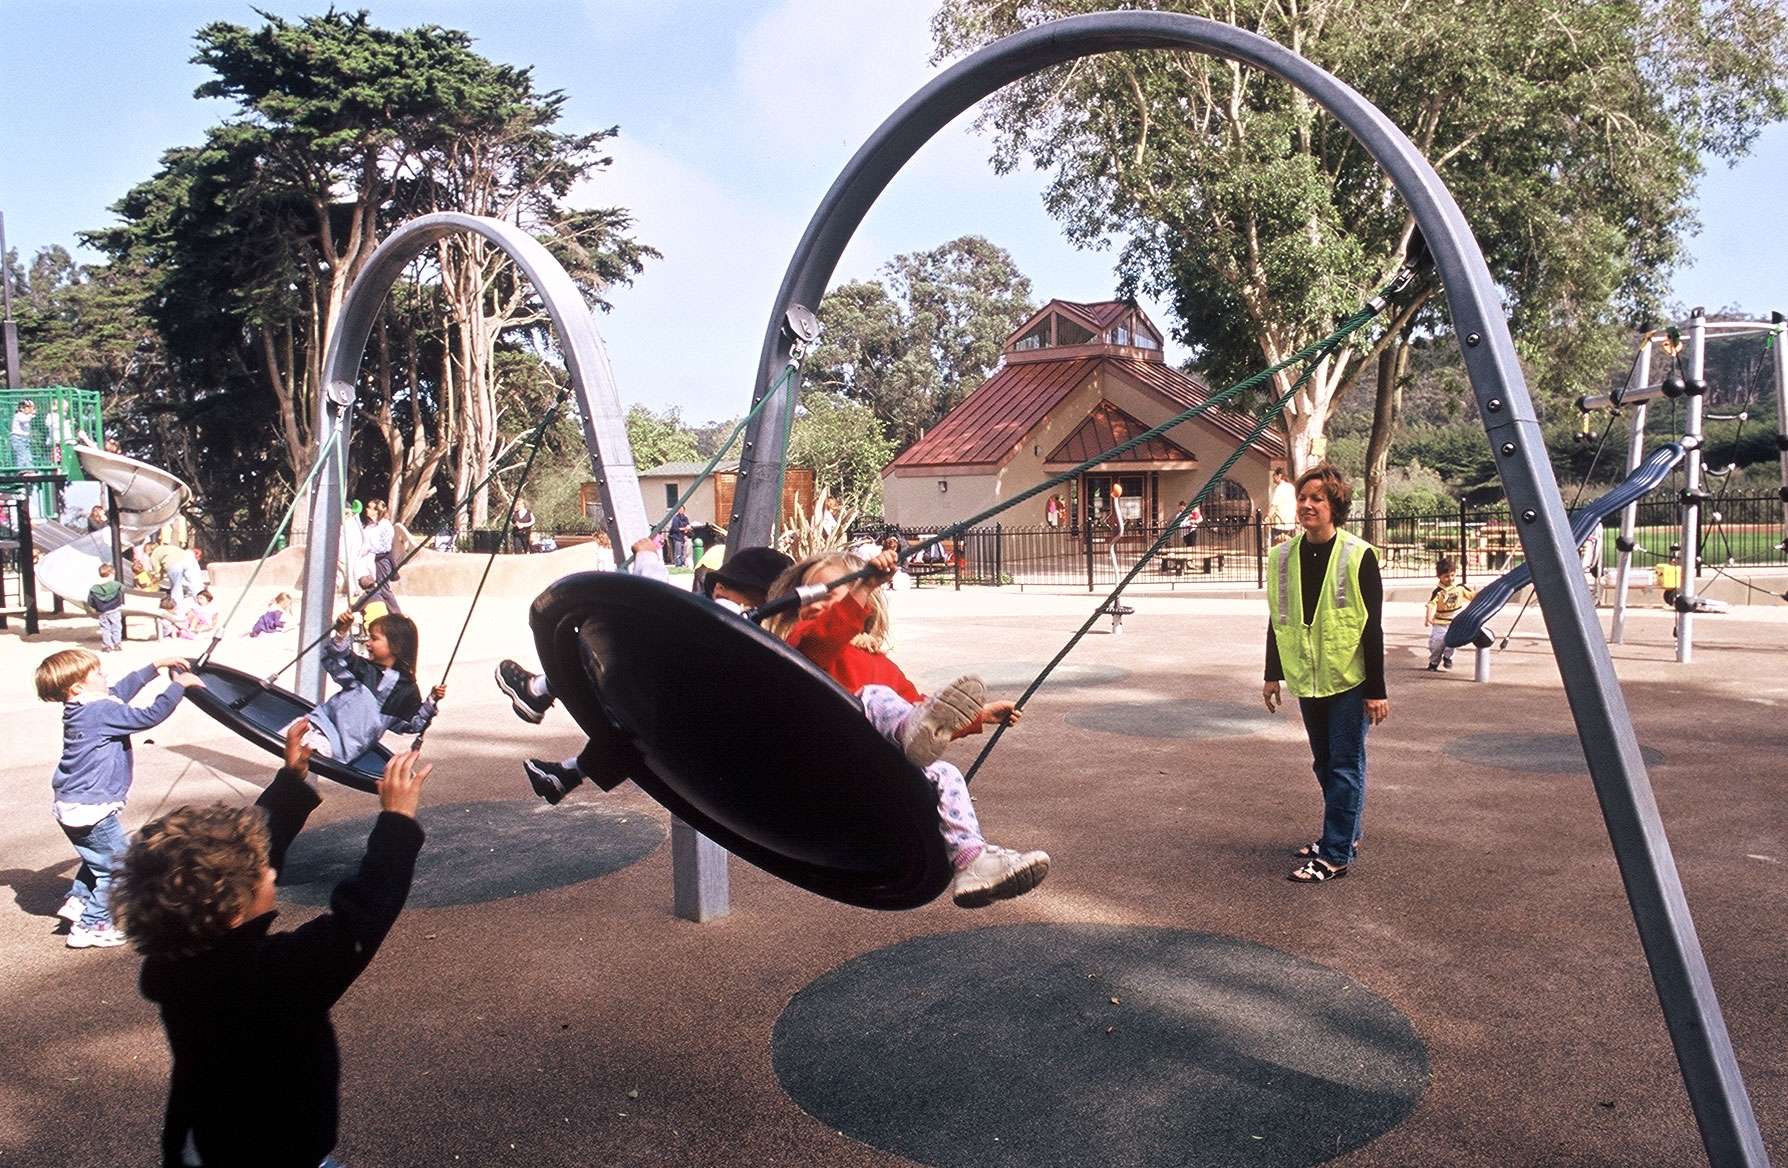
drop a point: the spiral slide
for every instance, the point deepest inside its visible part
(148, 498)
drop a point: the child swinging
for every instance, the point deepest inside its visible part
(844, 632)
(379, 692)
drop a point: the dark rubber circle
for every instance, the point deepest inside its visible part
(1070, 1045)
(478, 852)
(1544, 754)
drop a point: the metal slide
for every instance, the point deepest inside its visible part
(148, 498)
(1491, 599)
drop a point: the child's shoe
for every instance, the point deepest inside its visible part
(551, 781)
(934, 722)
(71, 910)
(998, 874)
(104, 937)
(515, 681)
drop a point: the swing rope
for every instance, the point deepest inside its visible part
(1312, 353)
(1168, 532)
(788, 373)
(464, 501)
(278, 533)
(491, 560)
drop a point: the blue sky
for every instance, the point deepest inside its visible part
(734, 117)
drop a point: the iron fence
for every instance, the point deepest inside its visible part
(1481, 541)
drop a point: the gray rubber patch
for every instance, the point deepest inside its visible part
(1186, 718)
(1067, 1045)
(479, 852)
(1544, 754)
(1008, 679)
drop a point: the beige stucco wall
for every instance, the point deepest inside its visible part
(700, 505)
(912, 499)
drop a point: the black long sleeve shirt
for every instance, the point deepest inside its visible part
(257, 1072)
(1313, 564)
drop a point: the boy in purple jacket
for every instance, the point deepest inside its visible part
(93, 777)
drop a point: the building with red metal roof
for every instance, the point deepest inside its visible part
(1076, 379)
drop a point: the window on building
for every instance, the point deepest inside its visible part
(670, 494)
(1037, 338)
(1068, 332)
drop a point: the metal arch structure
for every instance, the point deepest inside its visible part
(1710, 1070)
(586, 360)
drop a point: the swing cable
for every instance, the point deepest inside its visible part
(787, 373)
(278, 532)
(465, 500)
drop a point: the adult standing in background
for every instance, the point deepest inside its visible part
(1282, 507)
(679, 538)
(521, 527)
(380, 536)
(1325, 642)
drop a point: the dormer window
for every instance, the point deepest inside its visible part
(1069, 333)
(1082, 329)
(1037, 338)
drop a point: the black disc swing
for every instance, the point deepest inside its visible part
(741, 737)
(259, 710)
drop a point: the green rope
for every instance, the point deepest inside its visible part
(1168, 532)
(465, 500)
(787, 373)
(278, 534)
(1310, 353)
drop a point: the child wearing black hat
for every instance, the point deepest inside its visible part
(739, 583)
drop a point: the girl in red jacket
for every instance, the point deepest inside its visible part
(844, 633)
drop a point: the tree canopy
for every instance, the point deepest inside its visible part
(1571, 134)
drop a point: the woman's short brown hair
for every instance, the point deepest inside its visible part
(1334, 485)
(189, 876)
(58, 673)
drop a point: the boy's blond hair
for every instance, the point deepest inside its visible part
(59, 672)
(189, 876)
(105, 570)
(874, 636)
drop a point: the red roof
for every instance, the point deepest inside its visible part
(990, 424)
(1100, 312)
(1107, 426)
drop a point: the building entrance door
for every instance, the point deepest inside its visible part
(1133, 504)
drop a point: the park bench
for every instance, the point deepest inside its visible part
(1179, 561)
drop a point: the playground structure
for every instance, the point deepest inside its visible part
(1605, 731)
(1690, 385)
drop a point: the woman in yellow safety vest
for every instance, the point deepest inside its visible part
(1325, 643)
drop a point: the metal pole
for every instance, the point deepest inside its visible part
(1660, 911)
(11, 330)
(1629, 517)
(27, 566)
(1695, 392)
(1779, 338)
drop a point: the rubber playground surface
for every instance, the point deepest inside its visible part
(1473, 993)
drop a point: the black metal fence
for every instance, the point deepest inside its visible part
(1481, 541)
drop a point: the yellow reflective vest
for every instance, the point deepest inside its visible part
(1326, 656)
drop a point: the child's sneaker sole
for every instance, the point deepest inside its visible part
(95, 939)
(936, 720)
(1015, 882)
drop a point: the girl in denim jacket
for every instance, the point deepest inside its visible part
(379, 691)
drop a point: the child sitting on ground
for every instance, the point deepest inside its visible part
(94, 774)
(844, 632)
(202, 616)
(256, 1075)
(379, 691)
(106, 601)
(274, 619)
(738, 584)
(1444, 603)
(171, 624)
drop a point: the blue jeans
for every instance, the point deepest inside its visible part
(101, 848)
(21, 452)
(1336, 726)
(111, 628)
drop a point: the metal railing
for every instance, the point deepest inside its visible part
(1231, 550)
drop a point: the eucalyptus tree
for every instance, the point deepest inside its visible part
(913, 343)
(1570, 133)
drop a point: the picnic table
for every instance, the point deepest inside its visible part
(1178, 561)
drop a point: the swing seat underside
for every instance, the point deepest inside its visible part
(741, 737)
(260, 712)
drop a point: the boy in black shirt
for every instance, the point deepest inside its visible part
(256, 1073)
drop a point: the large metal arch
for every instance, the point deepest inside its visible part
(1654, 890)
(586, 361)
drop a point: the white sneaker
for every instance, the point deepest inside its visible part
(104, 937)
(998, 874)
(71, 910)
(931, 726)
